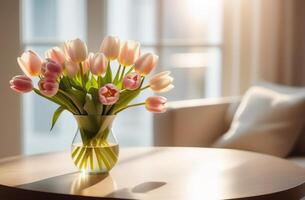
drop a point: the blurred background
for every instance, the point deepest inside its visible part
(213, 48)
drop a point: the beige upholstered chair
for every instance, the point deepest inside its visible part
(199, 123)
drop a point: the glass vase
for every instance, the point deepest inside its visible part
(94, 147)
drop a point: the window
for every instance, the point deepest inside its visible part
(47, 23)
(186, 34)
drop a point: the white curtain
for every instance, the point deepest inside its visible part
(263, 41)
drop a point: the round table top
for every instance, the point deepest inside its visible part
(156, 173)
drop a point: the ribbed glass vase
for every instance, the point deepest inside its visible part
(94, 147)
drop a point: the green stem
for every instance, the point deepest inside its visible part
(100, 81)
(82, 76)
(104, 109)
(143, 78)
(130, 70)
(145, 87)
(117, 75)
(108, 108)
(123, 90)
(129, 106)
(122, 74)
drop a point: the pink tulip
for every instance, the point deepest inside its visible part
(21, 84)
(98, 64)
(109, 94)
(51, 70)
(111, 47)
(87, 62)
(71, 68)
(132, 81)
(48, 88)
(53, 67)
(75, 50)
(161, 82)
(56, 54)
(50, 76)
(145, 63)
(30, 63)
(129, 53)
(156, 104)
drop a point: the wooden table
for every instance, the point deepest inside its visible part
(155, 173)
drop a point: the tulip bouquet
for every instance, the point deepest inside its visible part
(86, 85)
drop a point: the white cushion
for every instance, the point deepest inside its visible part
(268, 120)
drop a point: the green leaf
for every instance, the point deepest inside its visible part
(89, 106)
(108, 75)
(77, 97)
(56, 115)
(80, 94)
(94, 82)
(64, 83)
(119, 85)
(125, 98)
(76, 84)
(91, 83)
(64, 101)
(117, 76)
(93, 91)
(49, 98)
(60, 100)
(100, 81)
(86, 77)
(95, 98)
(88, 85)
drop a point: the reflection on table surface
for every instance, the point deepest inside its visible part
(160, 173)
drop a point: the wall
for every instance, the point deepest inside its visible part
(10, 106)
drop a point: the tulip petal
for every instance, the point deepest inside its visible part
(21, 83)
(111, 47)
(109, 94)
(145, 63)
(168, 88)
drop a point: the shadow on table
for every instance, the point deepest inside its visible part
(82, 184)
(138, 189)
(78, 184)
(72, 183)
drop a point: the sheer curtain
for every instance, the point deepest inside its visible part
(263, 41)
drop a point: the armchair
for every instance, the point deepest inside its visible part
(198, 123)
(194, 122)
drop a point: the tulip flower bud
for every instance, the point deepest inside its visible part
(30, 63)
(145, 63)
(48, 88)
(75, 50)
(161, 82)
(156, 104)
(21, 84)
(132, 81)
(87, 62)
(109, 94)
(53, 67)
(111, 47)
(51, 70)
(98, 64)
(129, 53)
(56, 54)
(71, 68)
